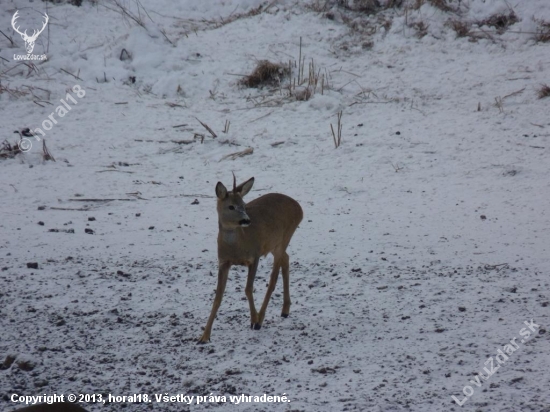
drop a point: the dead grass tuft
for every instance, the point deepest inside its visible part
(542, 34)
(13, 92)
(266, 73)
(421, 28)
(544, 91)
(441, 5)
(8, 150)
(461, 28)
(46, 153)
(361, 6)
(500, 22)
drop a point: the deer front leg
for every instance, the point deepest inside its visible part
(250, 295)
(223, 272)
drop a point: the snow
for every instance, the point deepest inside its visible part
(437, 199)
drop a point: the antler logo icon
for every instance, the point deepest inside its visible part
(29, 40)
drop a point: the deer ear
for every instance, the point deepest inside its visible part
(221, 191)
(245, 187)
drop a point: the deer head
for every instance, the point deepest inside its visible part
(29, 40)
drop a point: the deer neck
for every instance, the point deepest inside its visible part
(229, 235)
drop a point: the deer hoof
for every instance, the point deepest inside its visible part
(257, 326)
(284, 315)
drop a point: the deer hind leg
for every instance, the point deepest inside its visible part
(223, 272)
(270, 288)
(286, 285)
(249, 292)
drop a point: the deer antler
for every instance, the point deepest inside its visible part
(13, 20)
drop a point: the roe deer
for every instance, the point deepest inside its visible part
(53, 407)
(247, 232)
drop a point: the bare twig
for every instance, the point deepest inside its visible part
(170, 104)
(261, 117)
(124, 55)
(214, 135)
(396, 167)
(46, 153)
(183, 141)
(491, 267)
(9, 38)
(166, 37)
(498, 103)
(300, 61)
(122, 10)
(114, 170)
(337, 137)
(80, 209)
(100, 200)
(514, 93)
(76, 77)
(235, 155)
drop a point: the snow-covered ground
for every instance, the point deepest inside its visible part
(425, 242)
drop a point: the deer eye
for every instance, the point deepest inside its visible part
(231, 207)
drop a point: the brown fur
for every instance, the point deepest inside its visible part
(272, 219)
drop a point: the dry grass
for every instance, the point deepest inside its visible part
(361, 6)
(46, 153)
(442, 5)
(543, 31)
(461, 28)
(8, 150)
(266, 73)
(337, 137)
(236, 155)
(302, 87)
(500, 22)
(420, 27)
(287, 83)
(251, 13)
(544, 91)
(13, 92)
